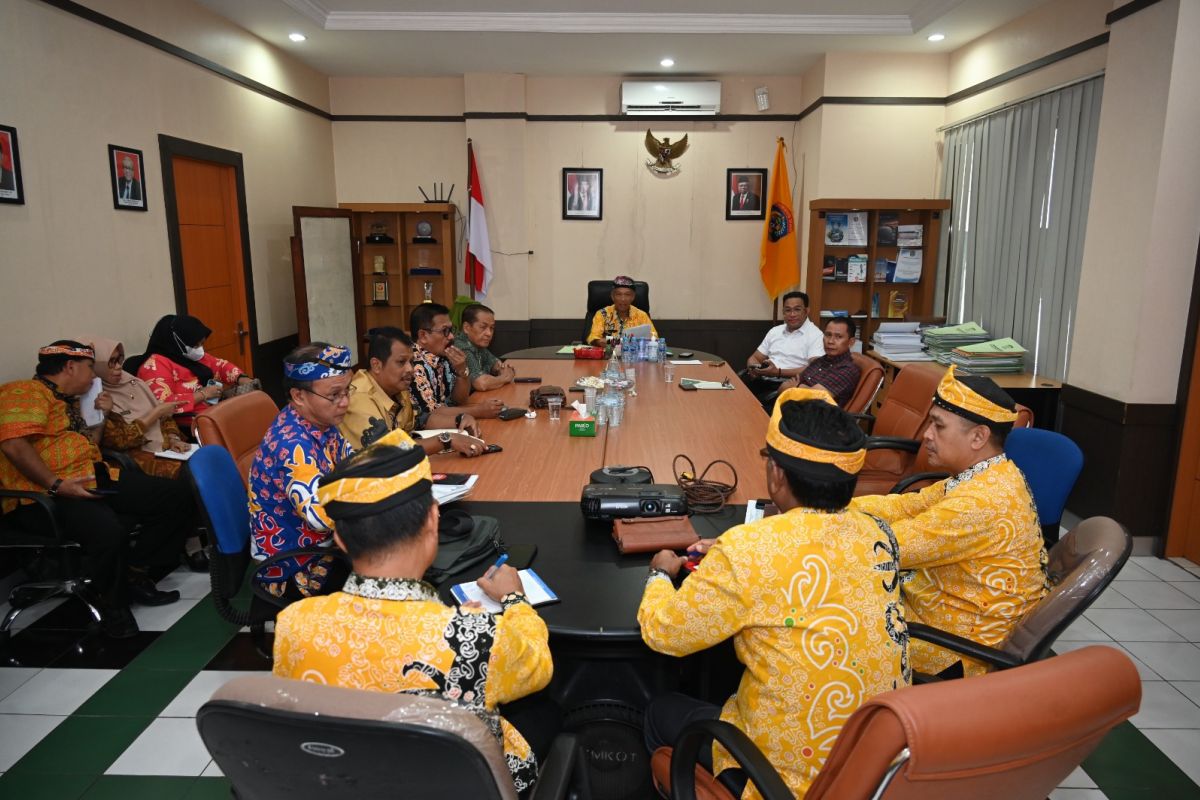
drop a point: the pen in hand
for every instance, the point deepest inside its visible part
(499, 563)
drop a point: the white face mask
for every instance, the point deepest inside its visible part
(194, 353)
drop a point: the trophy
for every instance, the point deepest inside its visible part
(380, 268)
(424, 234)
(428, 292)
(379, 234)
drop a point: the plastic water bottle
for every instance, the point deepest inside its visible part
(662, 351)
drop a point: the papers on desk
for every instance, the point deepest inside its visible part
(686, 362)
(536, 591)
(692, 383)
(569, 350)
(171, 454)
(449, 492)
(899, 341)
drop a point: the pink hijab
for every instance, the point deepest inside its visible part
(132, 398)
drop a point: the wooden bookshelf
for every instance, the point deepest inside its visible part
(856, 298)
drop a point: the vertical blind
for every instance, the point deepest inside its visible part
(1020, 182)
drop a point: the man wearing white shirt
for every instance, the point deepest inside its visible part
(785, 350)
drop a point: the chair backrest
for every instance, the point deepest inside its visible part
(1009, 735)
(223, 498)
(1081, 566)
(904, 413)
(599, 295)
(1051, 463)
(279, 738)
(238, 424)
(869, 381)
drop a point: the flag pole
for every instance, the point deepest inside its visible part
(469, 267)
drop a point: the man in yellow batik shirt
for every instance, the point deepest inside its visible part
(972, 541)
(810, 597)
(611, 321)
(387, 631)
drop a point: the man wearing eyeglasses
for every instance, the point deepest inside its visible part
(785, 350)
(442, 375)
(301, 447)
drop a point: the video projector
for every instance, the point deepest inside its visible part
(607, 502)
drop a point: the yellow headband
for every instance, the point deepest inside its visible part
(850, 463)
(374, 489)
(953, 392)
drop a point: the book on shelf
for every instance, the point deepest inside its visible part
(888, 230)
(841, 269)
(908, 266)
(875, 304)
(846, 230)
(828, 268)
(910, 235)
(830, 313)
(856, 269)
(897, 304)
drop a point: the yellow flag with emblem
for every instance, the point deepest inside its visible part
(779, 265)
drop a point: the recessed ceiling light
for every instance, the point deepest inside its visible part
(667, 62)
(936, 37)
(660, 87)
(297, 37)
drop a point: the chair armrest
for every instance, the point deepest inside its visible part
(868, 418)
(122, 460)
(259, 566)
(893, 443)
(554, 778)
(42, 499)
(903, 484)
(962, 646)
(756, 766)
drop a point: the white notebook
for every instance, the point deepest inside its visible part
(536, 591)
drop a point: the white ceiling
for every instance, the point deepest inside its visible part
(629, 37)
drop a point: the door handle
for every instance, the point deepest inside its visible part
(242, 333)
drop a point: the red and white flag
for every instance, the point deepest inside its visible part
(478, 261)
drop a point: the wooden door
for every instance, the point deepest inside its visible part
(210, 247)
(1183, 534)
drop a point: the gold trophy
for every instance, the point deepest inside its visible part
(428, 292)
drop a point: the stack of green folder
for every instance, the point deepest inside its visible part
(995, 357)
(940, 342)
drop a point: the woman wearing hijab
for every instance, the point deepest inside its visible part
(177, 369)
(138, 425)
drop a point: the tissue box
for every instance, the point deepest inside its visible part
(581, 426)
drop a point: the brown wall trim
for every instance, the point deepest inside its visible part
(260, 88)
(1121, 12)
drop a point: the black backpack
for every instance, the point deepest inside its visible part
(463, 542)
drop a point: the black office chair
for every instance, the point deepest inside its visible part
(599, 295)
(279, 738)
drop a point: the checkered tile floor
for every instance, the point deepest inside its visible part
(82, 717)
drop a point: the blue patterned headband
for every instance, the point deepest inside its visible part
(331, 362)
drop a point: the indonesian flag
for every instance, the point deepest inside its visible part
(478, 261)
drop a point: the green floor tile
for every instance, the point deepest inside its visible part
(1127, 766)
(190, 642)
(140, 787)
(210, 789)
(33, 786)
(81, 746)
(136, 692)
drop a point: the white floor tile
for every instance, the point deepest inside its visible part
(1083, 630)
(1144, 672)
(212, 771)
(1190, 566)
(55, 691)
(1190, 588)
(1133, 625)
(1164, 706)
(1155, 594)
(1112, 598)
(20, 732)
(1078, 780)
(11, 678)
(1132, 572)
(1175, 661)
(189, 584)
(1078, 794)
(1185, 622)
(1164, 569)
(166, 747)
(198, 691)
(1191, 689)
(159, 618)
(1181, 746)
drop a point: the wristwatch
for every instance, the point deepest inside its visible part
(53, 490)
(444, 438)
(512, 599)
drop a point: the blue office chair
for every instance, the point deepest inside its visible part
(1051, 463)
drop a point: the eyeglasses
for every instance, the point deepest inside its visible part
(799, 310)
(446, 331)
(336, 397)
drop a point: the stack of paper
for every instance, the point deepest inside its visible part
(899, 341)
(939, 342)
(449, 492)
(995, 357)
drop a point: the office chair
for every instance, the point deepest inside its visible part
(239, 425)
(1051, 463)
(929, 742)
(599, 295)
(1080, 568)
(870, 380)
(280, 738)
(896, 430)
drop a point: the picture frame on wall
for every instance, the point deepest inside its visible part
(12, 190)
(745, 192)
(379, 292)
(127, 170)
(582, 193)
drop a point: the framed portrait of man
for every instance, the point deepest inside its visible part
(745, 194)
(582, 193)
(11, 188)
(127, 169)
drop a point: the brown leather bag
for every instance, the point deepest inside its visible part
(651, 534)
(539, 396)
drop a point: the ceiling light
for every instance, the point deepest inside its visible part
(936, 37)
(667, 62)
(660, 87)
(297, 37)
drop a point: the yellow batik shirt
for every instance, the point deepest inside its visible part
(390, 635)
(812, 602)
(975, 549)
(606, 322)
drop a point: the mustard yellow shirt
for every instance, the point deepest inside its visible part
(370, 400)
(975, 549)
(812, 602)
(397, 636)
(605, 322)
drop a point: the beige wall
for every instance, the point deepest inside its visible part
(72, 264)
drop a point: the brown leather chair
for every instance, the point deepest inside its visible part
(869, 382)
(903, 416)
(1012, 735)
(238, 424)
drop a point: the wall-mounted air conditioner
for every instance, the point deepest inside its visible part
(694, 98)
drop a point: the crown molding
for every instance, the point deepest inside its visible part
(313, 10)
